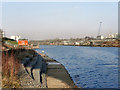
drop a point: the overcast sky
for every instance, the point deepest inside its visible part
(50, 20)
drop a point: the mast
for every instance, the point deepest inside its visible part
(99, 28)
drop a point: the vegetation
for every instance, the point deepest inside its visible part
(10, 42)
(23, 39)
(11, 60)
(10, 69)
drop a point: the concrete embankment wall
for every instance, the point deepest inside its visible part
(57, 75)
(41, 71)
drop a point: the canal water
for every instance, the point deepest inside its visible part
(89, 67)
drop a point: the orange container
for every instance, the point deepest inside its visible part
(22, 42)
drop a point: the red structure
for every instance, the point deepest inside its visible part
(22, 42)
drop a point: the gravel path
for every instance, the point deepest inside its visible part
(33, 74)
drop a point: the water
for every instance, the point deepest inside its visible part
(89, 67)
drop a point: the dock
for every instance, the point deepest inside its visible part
(57, 75)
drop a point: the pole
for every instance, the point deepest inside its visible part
(99, 28)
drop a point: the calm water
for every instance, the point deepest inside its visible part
(89, 67)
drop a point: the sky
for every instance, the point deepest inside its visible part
(64, 20)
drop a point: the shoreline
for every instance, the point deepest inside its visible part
(81, 46)
(40, 71)
(92, 43)
(53, 75)
(57, 73)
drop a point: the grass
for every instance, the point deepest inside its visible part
(11, 42)
(11, 61)
(10, 68)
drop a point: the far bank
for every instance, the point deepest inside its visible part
(92, 43)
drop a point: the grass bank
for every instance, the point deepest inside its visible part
(11, 60)
(10, 68)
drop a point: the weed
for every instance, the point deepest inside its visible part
(10, 68)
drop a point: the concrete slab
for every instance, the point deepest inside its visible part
(57, 75)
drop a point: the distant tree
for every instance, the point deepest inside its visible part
(1, 31)
(23, 39)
